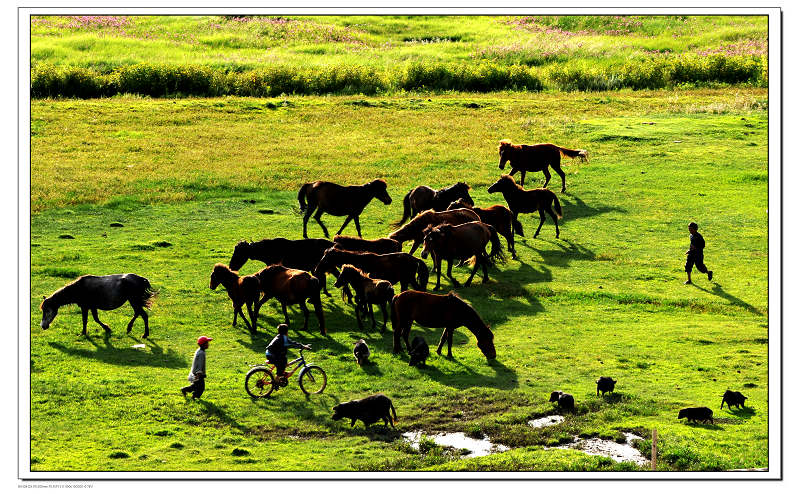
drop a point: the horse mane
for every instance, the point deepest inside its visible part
(378, 181)
(505, 143)
(354, 268)
(413, 225)
(58, 294)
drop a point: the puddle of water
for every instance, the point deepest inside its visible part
(139, 345)
(457, 440)
(547, 421)
(604, 447)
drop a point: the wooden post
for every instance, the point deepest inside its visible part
(654, 449)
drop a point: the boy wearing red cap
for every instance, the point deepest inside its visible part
(197, 373)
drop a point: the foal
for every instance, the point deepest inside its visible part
(338, 200)
(448, 242)
(243, 290)
(500, 218)
(528, 201)
(368, 292)
(292, 287)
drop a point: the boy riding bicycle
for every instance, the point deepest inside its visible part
(276, 352)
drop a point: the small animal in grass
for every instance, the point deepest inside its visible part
(564, 400)
(733, 398)
(605, 384)
(361, 352)
(368, 410)
(697, 414)
(419, 352)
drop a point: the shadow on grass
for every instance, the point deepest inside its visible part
(108, 353)
(576, 208)
(733, 300)
(466, 377)
(220, 414)
(743, 412)
(712, 427)
(564, 252)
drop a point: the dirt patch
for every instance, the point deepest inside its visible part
(547, 421)
(618, 452)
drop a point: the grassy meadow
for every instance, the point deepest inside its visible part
(187, 178)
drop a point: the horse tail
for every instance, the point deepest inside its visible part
(497, 255)
(517, 227)
(301, 196)
(422, 274)
(406, 209)
(574, 153)
(557, 205)
(393, 410)
(148, 295)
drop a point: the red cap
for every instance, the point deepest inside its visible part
(203, 339)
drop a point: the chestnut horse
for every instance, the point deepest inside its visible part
(303, 254)
(368, 291)
(414, 230)
(291, 287)
(423, 198)
(500, 218)
(339, 200)
(438, 311)
(448, 242)
(528, 201)
(397, 267)
(377, 246)
(537, 157)
(101, 292)
(244, 290)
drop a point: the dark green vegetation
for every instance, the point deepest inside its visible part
(187, 178)
(96, 56)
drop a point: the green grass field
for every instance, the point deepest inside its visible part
(605, 299)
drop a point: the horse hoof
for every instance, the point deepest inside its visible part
(145, 336)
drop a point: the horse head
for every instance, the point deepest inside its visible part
(463, 192)
(486, 345)
(326, 262)
(380, 190)
(431, 235)
(49, 311)
(241, 253)
(504, 156)
(219, 273)
(347, 271)
(505, 183)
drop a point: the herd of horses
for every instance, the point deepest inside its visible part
(445, 222)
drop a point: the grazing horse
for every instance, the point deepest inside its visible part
(291, 287)
(448, 242)
(368, 291)
(244, 290)
(301, 254)
(101, 292)
(423, 198)
(397, 267)
(414, 230)
(438, 311)
(377, 246)
(528, 201)
(537, 157)
(500, 218)
(339, 200)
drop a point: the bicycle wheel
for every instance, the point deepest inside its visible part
(259, 382)
(313, 380)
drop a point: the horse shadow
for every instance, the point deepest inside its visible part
(504, 377)
(126, 356)
(577, 209)
(564, 252)
(711, 427)
(733, 300)
(215, 411)
(743, 412)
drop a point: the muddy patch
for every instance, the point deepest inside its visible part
(615, 451)
(547, 421)
(458, 441)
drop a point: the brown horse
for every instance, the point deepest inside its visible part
(423, 198)
(528, 201)
(414, 230)
(303, 254)
(368, 291)
(448, 242)
(500, 218)
(377, 246)
(397, 267)
(339, 200)
(291, 287)
(438, 311)
(537, 157)
(101, 292)
(244, 290)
